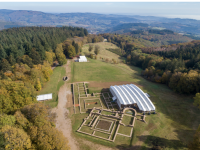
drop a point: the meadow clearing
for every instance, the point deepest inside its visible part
(172, 127)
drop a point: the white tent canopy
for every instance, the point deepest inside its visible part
(131, 94)
(82, 59)
(44, 97)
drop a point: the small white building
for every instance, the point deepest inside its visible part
(82, 59)
(44, 97)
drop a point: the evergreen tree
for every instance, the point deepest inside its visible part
(11, 60)
(76, 48)
(5, 65)
(2, 53)
(36, 59)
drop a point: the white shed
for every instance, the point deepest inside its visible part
(82, 59)
(44, 97)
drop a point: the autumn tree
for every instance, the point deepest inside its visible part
(90, 48)
(60, 55)
(50, 57)
(46, 70)
(174, 80)
(41, 127)
(15, 138)
(6, 120)
(97, 49)
(71, 51)
(38, 85)
(166, 77)
(14, 95)
(50, 138)
(5, 65)
(25, 59)
(21, 120)
(91, 56)
(187, 83)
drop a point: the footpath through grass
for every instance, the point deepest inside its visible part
(172, 127)
(53, 85)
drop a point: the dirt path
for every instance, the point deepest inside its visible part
(63, 123)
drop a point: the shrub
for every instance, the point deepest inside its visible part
(91, 56)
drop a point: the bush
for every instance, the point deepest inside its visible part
(91, 56)
(97, 49)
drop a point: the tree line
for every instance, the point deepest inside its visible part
(189, 52)
(72, 46)
(175, 65)
(130, 41)
(33, 42)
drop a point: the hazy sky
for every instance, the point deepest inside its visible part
(167, 9)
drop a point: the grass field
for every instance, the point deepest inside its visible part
(172, 127)
(105, 54)
(53, 85)
(127, 120)
(124, 130)
(99, 71)
(101, 134)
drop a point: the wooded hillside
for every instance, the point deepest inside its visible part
(26, 56)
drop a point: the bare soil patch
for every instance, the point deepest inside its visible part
(105, 125)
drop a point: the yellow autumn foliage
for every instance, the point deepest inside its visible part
(15, 138)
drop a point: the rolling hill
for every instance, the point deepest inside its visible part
(94, 23)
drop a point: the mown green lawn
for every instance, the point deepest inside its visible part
(53, 85)
(172, 127)
(99, 71)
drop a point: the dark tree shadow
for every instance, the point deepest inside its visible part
(154, 143)
(127, 147)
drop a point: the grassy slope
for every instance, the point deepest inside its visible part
(172, 127)
(103, 52)
(53, 85)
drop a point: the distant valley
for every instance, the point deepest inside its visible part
(97, 23)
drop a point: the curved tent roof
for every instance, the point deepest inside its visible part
(131, 94)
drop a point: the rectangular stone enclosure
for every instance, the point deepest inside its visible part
(103, 124)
